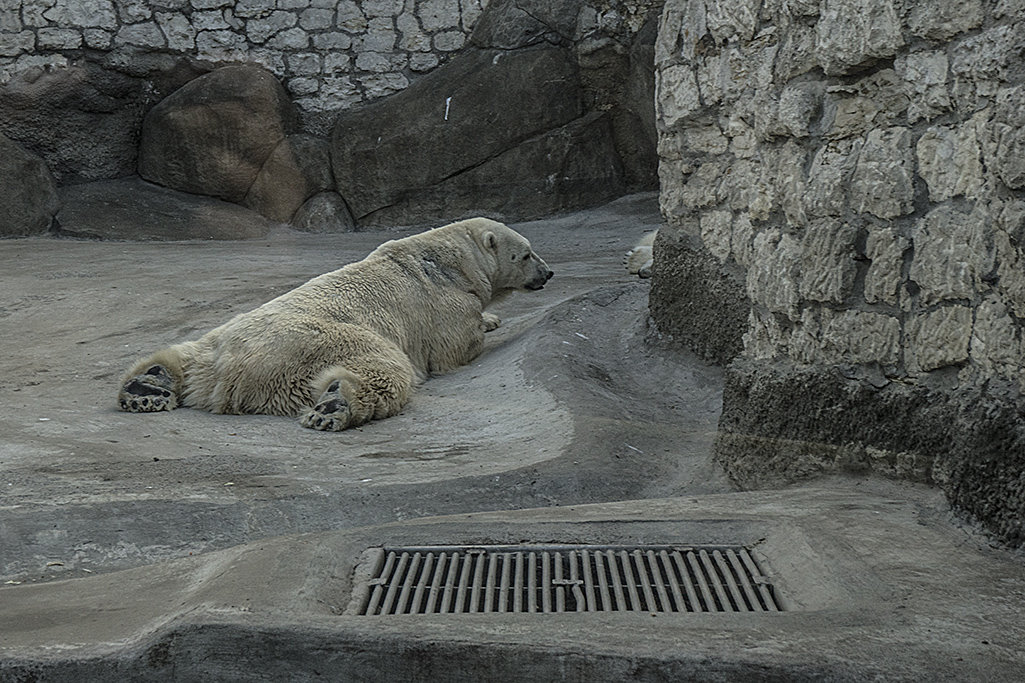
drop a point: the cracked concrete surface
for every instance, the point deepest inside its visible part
(184, 545)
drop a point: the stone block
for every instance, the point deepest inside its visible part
(980, 64)
(1009, 162)
(826, 336)
(883, 179)
(924, 75)
(349, 17)
(82, 13)
(58, 39)
(885, 250)
(950, 162)
(146, 34)
(1010, 272)
(438, 15)
(941, 20)
(179, 33)
(952, 253)
(829, 177)
(827, 261)
(716, 231)
(852, 33)
(939, 338)
(678, 96)
(799, 106)
(996, 340)
(772, 278)
(876, 101)
(259, 30)
(732, 20)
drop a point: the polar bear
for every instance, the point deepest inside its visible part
(638, 261)
(348, 346)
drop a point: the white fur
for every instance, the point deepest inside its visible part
(638, 261)
(413, 307)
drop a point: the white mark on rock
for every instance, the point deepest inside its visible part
(448, 103)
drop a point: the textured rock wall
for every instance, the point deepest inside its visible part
(236, 99)
(330, 54)
(857, 167)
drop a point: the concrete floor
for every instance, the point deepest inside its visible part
(186, 545)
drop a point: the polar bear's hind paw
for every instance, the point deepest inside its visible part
(149, 392)
(331, 414)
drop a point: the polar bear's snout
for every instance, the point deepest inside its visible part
(542, 274)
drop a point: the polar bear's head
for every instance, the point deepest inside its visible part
(516, 264)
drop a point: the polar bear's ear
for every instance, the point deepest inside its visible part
(489, 240)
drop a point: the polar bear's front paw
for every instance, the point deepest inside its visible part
(149, 392)
(331, 414)
(490, 321)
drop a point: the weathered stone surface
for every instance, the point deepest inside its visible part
(848, 336)
(996, 339)
(480, 105)
(716, 231)
(952, 254)
(852, 33)
(876, 101)
(827, 261)
(829, 177)
(298, 168)
(883, 182)
(28, 196)
(940, 338)
(772, 279)
(511, 24)
(570, 167)
(132, 209)
(885, 250)
(925, 83)
(950, 161)
(324, 212)
(697, 301)
(213, 135)
(781, 424)
(940, 20)
(83, 119)
(678, 96)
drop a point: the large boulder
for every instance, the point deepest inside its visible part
(298, 168)
(132, 209)
(28, 196)
(479, 105)
(83, 119)
(213, 135)
(573, 166)
(511, 24)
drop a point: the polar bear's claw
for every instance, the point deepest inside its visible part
(149, 392)
(331, 414)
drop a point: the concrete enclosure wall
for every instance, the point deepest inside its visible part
(852, 172)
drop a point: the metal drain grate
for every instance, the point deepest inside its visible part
(570, 578)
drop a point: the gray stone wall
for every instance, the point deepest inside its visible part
(330, 54)
(857, 167)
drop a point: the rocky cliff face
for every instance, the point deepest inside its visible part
(237, 99)
(845, 180)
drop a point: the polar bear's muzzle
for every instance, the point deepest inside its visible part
(539, 281)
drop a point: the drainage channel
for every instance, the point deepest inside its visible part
(562, 578)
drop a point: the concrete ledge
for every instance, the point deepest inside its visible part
(781, 425)
(857, 612)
